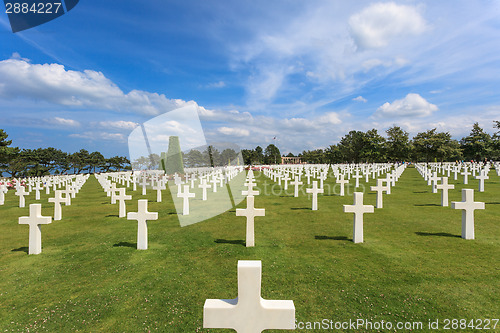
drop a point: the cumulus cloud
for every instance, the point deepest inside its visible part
(93, 136)
(233, 131)
(413, 105)
(63, 122)
(360, 99)
(53, 83)
(378, 24)
(120, 124)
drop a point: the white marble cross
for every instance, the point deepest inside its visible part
(143, 183)
(314, 191)
(342, 182)
(2, 193)
(250, 192)
(57, 200)
(388, 180)
(434, 179)
(121, 197)
(249, 312)
(322, 177)
(358, 209)
(466, 174)
(159, 187)
(142, 216)
(204, 186)
(214, 182)
(296, 184)
(444, 186)
(379, 189)
(468, 206)
(250, 212)
(34, 220)
(483, 175)
(37, 189)
(21, 193)
(357, 176)
(185, 195)
(286, 178)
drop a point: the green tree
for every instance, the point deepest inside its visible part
(496, 141)
(272, 155)
(96, 160)
(333, 155)
(80, 161)
(258, 155)
(6, 153)
(432, 146)
(352, 146)
(477, 145)
(316, 156)
(117, 163)
(194, 159)
(247, 156)
(374, 147)
(398, 147)
(227, 156)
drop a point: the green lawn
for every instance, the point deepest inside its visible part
(413, 265)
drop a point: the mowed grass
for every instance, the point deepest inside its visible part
(413, 265)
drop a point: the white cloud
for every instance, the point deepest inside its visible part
(53, 83)
(360, 99)
(413, 105)
(63, 121)
(93, 136)
(330, 118)
(220, 84)
(120, 124)
(233, 131)
(378, 24)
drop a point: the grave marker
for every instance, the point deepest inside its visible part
(468, 206)
(34, 220)
(314, 191)
(250, 212)
(249, 312)
(358, 209)
(142, 216)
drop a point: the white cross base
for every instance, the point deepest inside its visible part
(249, 312)
(468, 206)
(34, 221)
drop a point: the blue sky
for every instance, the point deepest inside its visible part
(306, 72)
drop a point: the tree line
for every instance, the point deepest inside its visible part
(210, 156)
(38, 162)
(370, 146)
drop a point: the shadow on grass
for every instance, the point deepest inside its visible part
(21, 249)
(227, 241)
(493, 203)
(441, 234)
(112, 215)
(299, 208)
(333, 238)
(126, 244)
(426, 205)
(173, 213)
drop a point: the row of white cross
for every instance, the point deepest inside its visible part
(467, 205)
